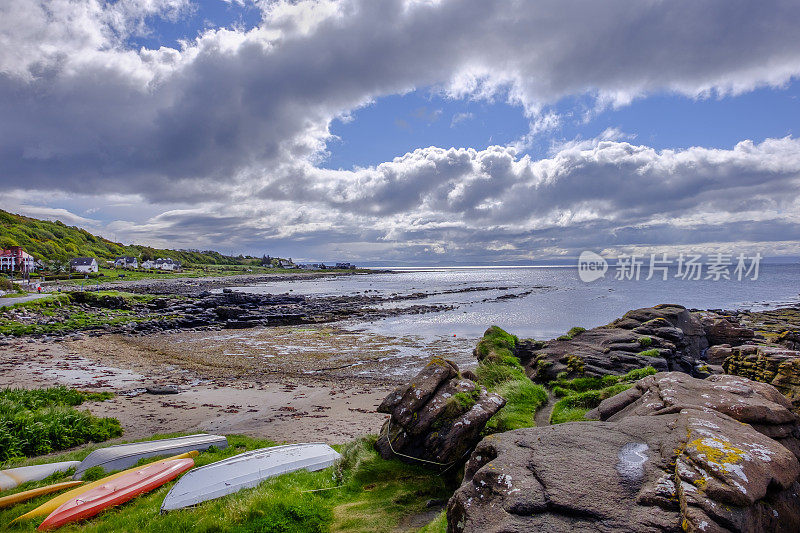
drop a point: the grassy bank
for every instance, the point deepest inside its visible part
(40, 421)
(361, 493)
(63, 312)
(501, 372)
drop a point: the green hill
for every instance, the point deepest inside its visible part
(55, 241)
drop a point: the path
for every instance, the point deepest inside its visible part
(5, 302)
(542, 416)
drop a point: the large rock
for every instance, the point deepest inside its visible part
(437, 418)
(690, 470)
(780, 367)
(725, 329)
(667, 337)
(757, 404)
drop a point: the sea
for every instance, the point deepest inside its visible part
(540, 302)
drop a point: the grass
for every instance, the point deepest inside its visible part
(40, 421)
(501, 372)
(61, 312)
(653, 352)
(580, 395)
(366, 493)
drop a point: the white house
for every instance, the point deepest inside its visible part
(126, 261)
(166, 264)
(83, 264)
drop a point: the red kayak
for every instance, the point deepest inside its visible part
(116, 491)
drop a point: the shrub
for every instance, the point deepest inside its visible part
(36, 422)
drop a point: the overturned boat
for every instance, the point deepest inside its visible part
(17, 476)
(246, 470)
(127, 455)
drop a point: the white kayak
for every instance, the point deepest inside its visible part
(246, 470)
(14, 477)
(125, 456)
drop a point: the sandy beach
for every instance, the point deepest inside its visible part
(268, 404)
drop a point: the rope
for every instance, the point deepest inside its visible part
(448, 465)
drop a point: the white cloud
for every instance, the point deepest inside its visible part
(234, 121)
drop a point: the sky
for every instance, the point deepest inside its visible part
(407, 131)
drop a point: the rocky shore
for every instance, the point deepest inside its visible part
(708, 440)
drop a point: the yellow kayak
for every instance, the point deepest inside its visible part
(50, 506)
(8, 501)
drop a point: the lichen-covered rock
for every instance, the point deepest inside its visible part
(666, 337)
(690, 470)
(757, 404)
(780, 367)
(437, 418)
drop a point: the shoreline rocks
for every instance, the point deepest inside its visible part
(667, 457)
(437, 418)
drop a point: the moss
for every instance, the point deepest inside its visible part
(653, 352)
(496, 344)
(523, 399)
(645, 341)
(574, 364)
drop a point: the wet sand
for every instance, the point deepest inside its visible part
(222, 399)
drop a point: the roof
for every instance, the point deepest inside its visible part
(81, 261)
(127, 258)
(167, 261)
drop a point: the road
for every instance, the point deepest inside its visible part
(5, 302)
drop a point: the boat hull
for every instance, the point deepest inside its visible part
(126, 455)
(14, 477)
(116, 492)
(246, 470)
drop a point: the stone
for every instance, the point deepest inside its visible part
(437, 418)
(690, 470)
(758, 404)
(676, 334)
(725, 330)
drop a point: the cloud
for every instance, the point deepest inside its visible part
(460, 117)
(234, 120)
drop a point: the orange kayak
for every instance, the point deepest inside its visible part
(116, 492)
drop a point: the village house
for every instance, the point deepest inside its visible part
(15, 259)
(162, 264)
(346, 266)
(83, 264)
(126, 261)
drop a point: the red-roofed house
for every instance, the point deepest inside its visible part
(16, 259)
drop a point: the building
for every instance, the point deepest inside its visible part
(312, 266)
(166, 264)
(15, 259)
(346, 266)
(126, 262)
(83, 264)
(285, 263)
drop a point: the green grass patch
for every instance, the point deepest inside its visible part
(523, 399)
(40, 421)
(653, 352)
(582, 394)
(366, 493)
(573, 407)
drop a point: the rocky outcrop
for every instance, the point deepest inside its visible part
(768, 411)
(777, 366)
(691, 470)
(725, 329)
(437, 418)
(667, 337)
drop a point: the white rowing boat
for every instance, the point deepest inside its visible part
(246, 470)
(14, 477)
(127, 455)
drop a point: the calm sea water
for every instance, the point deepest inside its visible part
(559, 299)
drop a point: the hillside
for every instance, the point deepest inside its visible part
(57, 241)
